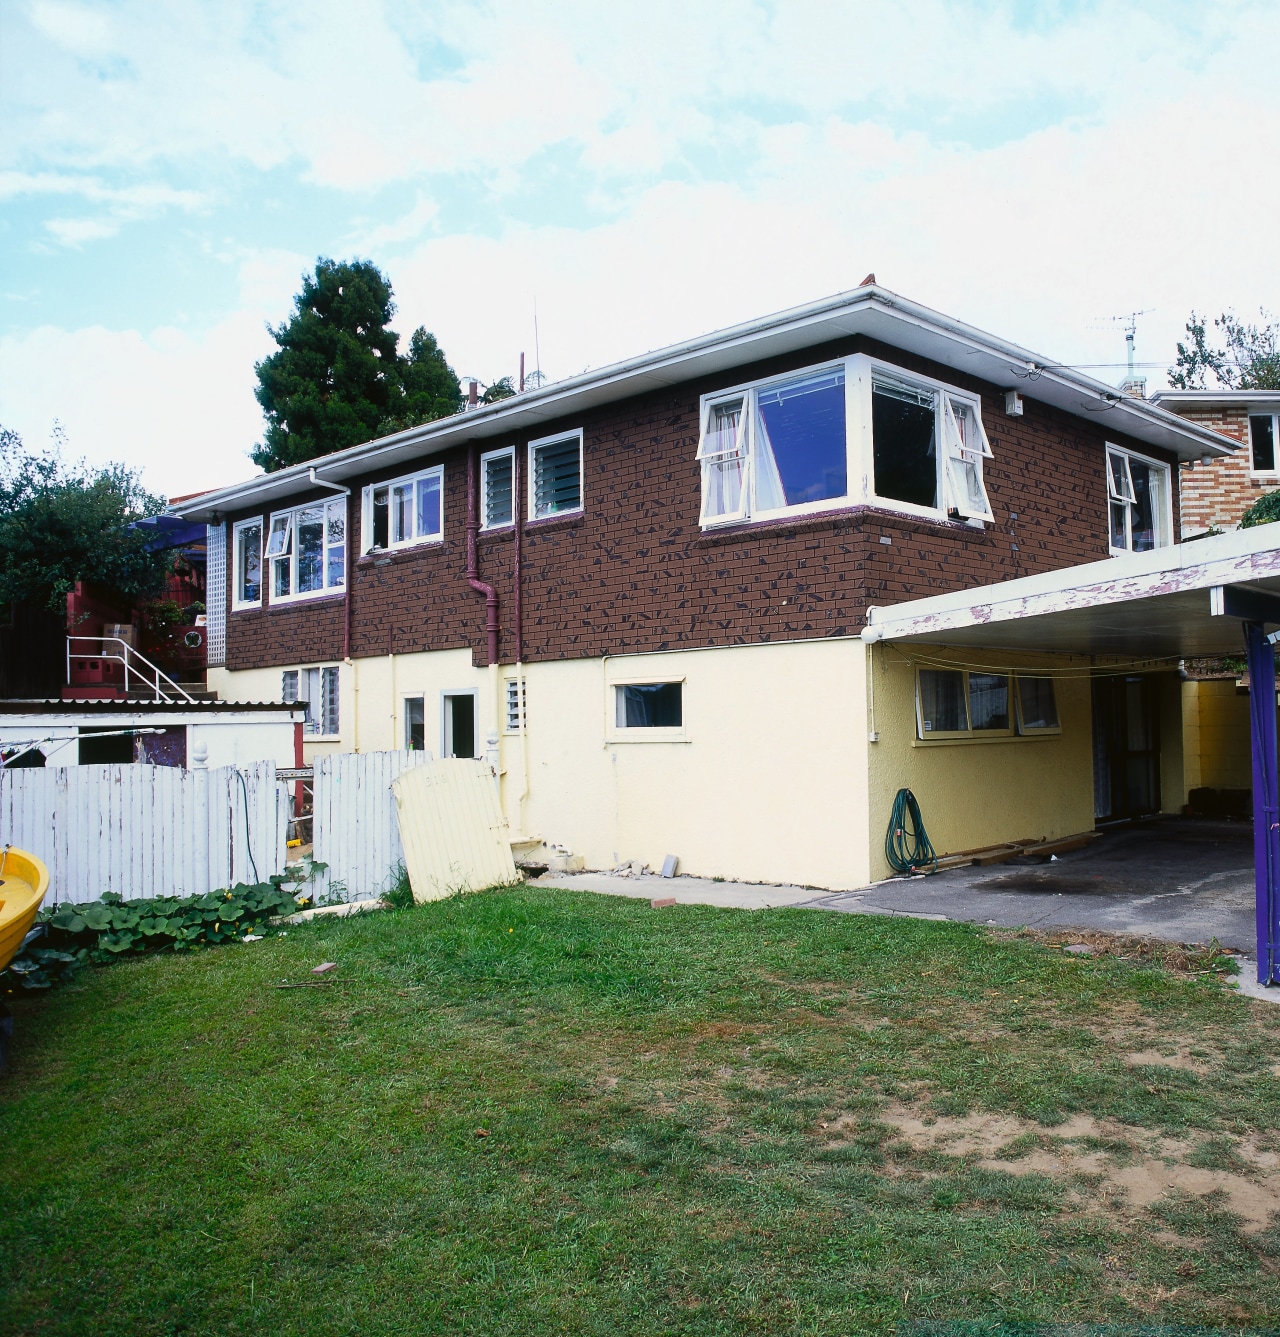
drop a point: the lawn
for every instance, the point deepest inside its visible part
(536, 1111)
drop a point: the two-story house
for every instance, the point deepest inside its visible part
(641, 591)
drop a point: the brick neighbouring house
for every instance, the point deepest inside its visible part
(681, 551)
(1216, 492)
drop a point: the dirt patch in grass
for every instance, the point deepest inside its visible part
(1107, 1165)
(1181, 958)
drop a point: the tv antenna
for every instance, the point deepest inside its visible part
(1130, 323)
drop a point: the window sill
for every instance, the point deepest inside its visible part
(247, 608)
(847, 515)
(565, 520)
(962, 740)
(647, 736)
(301, 600)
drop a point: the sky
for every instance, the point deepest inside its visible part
(634, 173)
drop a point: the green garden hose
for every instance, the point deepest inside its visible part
(906, 843)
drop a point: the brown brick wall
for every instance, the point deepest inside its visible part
(635, 573)
(1219, 493)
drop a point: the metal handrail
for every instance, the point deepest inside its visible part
(129, 653)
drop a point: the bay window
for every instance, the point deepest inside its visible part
(307, 550)
(833, 436)
(403, 512)
(1140, 508)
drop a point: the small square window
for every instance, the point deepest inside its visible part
(1037, 705)
(555, 476)
(651, 705)
(941, 703)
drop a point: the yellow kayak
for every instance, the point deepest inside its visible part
(23, 883)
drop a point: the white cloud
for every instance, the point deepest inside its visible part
(178, 407)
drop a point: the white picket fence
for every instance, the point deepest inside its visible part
(354, 823)
(146, 830)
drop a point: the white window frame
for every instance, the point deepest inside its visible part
(421, 698)
(446, 724)
(237, 603)
(289, 528)
(486, 462)
(410, 481)
(1275, 445)
(531, 479)
(311, 680)
(859, 371)
(615, 733)
(1120, 490)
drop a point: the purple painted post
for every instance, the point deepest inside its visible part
(1266, 805)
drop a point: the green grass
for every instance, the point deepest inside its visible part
(188, 1148)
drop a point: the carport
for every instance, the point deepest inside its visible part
(1204, 599)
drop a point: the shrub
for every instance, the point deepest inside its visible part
(105, 929)
(1264, 511)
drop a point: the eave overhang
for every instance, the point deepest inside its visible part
(870, 311)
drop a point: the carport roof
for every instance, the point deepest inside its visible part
(1148, 605)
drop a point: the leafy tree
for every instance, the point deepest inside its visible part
(429, 387)
(60, 524)
(1250, 359)
(500, 389)
(337, 379)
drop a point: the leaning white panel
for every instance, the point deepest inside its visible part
(454, 835)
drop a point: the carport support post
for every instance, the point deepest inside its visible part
(1266, 805)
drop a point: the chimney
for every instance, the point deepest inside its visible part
(522, 373)
(473, 395)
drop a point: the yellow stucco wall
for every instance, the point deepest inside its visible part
(976, 793)
(1216, 735)
(767, 781)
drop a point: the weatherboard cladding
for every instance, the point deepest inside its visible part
(634, 572)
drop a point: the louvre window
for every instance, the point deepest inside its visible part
(555, 476)
(497, 471)
(517, 704)
(318, 688)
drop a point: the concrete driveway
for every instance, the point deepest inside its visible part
(1187, 880)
